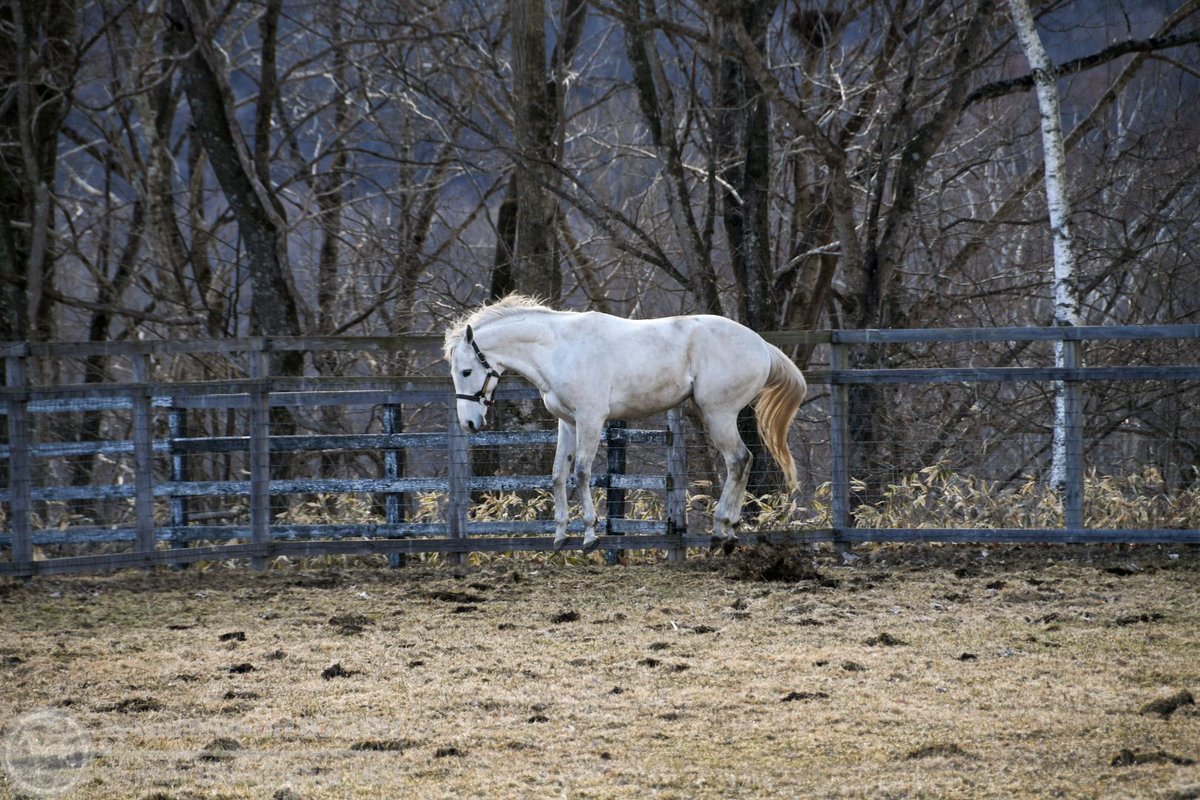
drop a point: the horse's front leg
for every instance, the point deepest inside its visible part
(564, 456)
(587, 440)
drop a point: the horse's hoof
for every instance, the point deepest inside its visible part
(559, 544)
(590, 546)
(730, 545)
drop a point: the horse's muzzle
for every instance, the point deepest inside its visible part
(470, 419)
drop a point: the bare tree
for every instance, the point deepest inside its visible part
(259, 216)
(39, 43)
(1058, 202)
(535, 269)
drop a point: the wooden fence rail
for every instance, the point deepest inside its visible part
(256, 394)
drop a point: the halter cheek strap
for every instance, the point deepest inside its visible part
(482, 396)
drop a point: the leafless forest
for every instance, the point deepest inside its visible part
(188, 169)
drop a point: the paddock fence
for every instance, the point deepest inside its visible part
(135, 454)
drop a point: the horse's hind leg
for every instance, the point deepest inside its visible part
(587, 441)
(722, 428)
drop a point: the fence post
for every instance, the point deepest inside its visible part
(615, 444)
(839, 443)
(458, 474)
(260, 450)
(393, 468)
(1073, 420)
(143, 455)
(676, 483)
(20, 467)
(177, 428)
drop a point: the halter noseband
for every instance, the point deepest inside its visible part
(482, 395)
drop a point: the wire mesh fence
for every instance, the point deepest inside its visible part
(113, 450)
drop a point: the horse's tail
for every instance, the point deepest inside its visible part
(776, 407)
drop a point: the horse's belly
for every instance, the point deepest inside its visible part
(646, 404)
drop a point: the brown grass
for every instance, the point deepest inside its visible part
(919, 671)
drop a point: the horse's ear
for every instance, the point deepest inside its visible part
(470, 335)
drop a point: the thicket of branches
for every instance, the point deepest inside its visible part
(215, 168)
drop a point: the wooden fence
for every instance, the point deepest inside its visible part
(155, 541)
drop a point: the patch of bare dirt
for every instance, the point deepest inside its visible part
(1000, 671)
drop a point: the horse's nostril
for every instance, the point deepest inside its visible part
(471, 425)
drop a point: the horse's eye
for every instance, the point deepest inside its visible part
(466, 373)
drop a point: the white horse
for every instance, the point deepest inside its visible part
(592, 367)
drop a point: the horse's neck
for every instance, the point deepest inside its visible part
(519, 344)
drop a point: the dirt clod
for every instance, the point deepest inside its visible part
(565, 616)
(1130, 758)
(350, 624)
(134, 705)
(232, 636)
(1186, 793)
(382, 745)
(463, 598)
(885, 639)
(1166, 706)
(938, 750)
(792, 697)
(220, 749)
(778, 563)
(241, 669)
(337, 671)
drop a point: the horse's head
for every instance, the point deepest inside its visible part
(474, 381)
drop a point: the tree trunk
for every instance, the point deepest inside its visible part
(37, 59)
(743, 143)
(273, 303)
(274, 310)
(1058, 203)
(527, 255)
(535, 267)
(657, 104)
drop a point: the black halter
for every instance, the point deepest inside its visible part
(482, 396)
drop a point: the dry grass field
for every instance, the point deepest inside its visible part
(918, 671)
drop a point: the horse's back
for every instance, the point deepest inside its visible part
(642, 367)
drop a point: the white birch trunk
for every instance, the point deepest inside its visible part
(1066, 300)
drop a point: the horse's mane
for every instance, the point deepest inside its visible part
(508, 306)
